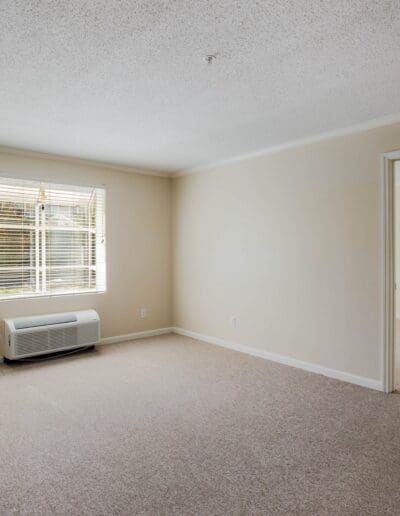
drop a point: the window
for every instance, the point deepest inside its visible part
(52, 239)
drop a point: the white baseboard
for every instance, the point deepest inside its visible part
(134, 336)
(281, 359)
(274, 357)
(128, 336)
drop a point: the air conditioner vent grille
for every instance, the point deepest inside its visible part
(41, 341)
(27, 343)
(23, 337)
(62, 338)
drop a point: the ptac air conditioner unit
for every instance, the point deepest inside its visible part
(38, 335)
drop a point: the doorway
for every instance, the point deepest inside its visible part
(396, 196)
(391, 273)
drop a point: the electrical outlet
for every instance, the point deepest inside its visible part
(233, 321)
(143, 313)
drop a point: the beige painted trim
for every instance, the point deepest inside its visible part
(26, 153)
(328, 135)
(388, 281)
(363, 381)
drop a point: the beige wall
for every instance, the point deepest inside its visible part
(138, 232)
(289, 243)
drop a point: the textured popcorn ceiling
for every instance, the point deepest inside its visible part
(126, 81)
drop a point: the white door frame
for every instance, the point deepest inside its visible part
(388, 219)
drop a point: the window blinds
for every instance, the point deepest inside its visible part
(52, 238)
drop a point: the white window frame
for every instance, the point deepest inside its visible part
(39, 233)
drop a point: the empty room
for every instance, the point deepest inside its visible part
(199, 257)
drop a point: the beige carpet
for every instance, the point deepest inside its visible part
(170, 425)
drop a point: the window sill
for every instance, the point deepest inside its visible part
(50, 296)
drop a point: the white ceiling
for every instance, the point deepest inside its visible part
(126, 81)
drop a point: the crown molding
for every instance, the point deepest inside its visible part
(27, 153)
(328, 135)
